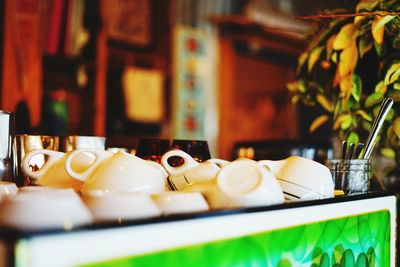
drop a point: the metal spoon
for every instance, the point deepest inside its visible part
(377, 125)
(344, 150)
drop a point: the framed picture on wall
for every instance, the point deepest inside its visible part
(129, 22)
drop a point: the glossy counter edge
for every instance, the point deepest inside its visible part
(13, 233)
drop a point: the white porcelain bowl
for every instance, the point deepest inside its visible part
(48, 209)
(181, 202)
(120, 206)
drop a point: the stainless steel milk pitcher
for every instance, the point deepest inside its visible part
(7, 146)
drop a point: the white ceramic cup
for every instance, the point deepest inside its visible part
(53, 173)
(117, 172)
(120, 206)
(302, 178)
(190, 172)
(35, 210)
(245, 183)
(181, 202)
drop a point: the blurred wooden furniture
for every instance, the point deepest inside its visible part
(256, 62)
(20, 65)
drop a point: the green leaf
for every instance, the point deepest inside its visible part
(379, 49)
(337, 253)
(371, 257)
(340, 119)
(353, 138)
(396, 127)
(356, 87)
(334, 57)
(364, 115)
(388, 152)
(325, 260)
(314, 56)
(396, 42)
(365, 44)
(380, 87)
(366, 126)
(396, 86)
(362, 260)
(395, 95)
(337, 109)
(301, 86)
(348, 258)
(318, 122)
(346, 123)
(373, 99)
(390, 115)
(392, 74)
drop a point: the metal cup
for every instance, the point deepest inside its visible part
(7, 155)
(26, 143)
(73, 142)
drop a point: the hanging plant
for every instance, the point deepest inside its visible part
(351, 64)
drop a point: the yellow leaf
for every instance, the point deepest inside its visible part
(292, 86)
(345, 85)
(378, 28)
(329, 47)
(341, 118)
(302, 58)
(318, 122)
(324, 102)
(348, 59)
(295, 99)
(344, 37)
(357, 19)
(364, 114)
(314, 56)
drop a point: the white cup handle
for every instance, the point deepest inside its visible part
(273, 165)
(100, 156)
(53, 157)
(188, 163)
(219, 162)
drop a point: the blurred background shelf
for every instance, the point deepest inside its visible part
(250, 52)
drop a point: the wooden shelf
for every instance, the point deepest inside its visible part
(242, 28)
(256, 62)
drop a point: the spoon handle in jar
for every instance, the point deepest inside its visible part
(376, 127)
(358, 150)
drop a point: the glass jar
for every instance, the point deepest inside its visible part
(350, 176)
